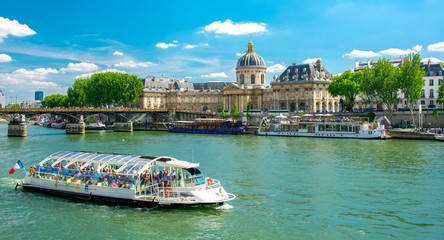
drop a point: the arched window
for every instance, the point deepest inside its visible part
(262, 79)
(241, 80)
(253, 79)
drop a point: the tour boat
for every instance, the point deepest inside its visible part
(321, 126)
(439, 137)
(127, 179)
(208, 126)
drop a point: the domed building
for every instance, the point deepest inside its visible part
(250, 68)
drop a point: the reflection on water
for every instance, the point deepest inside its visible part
(301, 187)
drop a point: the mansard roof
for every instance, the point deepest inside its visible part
(432, 69)
(303, 72)
(209, 86)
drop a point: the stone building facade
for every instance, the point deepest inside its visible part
(298, 88)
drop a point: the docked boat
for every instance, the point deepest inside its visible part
(127, 179)
(439, 137)
(208, 126)
(322, 126)
(96, 126)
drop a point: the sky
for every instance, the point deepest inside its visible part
(47, 45)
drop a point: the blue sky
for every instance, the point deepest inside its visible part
(45, 45)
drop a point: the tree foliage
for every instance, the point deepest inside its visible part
(223, 114)
(55, 100)
(249, 106)
(380, 84)
(441, 94)
(411, 80)
(106, 89)
(234, 111)
(348, 85)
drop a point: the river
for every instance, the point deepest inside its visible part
(286, 188)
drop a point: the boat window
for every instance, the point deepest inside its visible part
(195, 174)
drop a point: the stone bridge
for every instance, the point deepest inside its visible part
(124, 119)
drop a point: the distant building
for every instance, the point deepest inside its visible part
(302, 88)
(2, 99)
(38, 96)
(299, 88)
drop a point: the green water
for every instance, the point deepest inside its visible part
(287, 188)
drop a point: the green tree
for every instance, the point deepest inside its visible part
(380, 84)
(110, 89)
(77, 93)
(411, 80)
(441, 94)
(348, 85)
(223, 114)
(249, 106)
(234, 111)
(435, 115)
(55, 100)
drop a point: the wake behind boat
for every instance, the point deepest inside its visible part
(208, 126)
(322, 126)
(136, 180)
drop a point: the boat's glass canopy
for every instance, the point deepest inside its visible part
(127, 164)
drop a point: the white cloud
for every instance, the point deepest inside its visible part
(166, 45)
(432, 60)
(132, 64)
(230, 28)
(417, 48)
(45, 84)
(89, 74)
(80, 67)
(215, 75)
(436, 47)
(5, 58)
(38, 73)
(240, 54)
(277, 68)
(360, 54)
(395, 52)
(191, 46)
(13, 28)
(310, 60)
(117, 53)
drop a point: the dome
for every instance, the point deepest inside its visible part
(251, 58)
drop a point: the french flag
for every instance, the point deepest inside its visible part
(18, 165)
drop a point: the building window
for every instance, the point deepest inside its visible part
(431, 83)
(253, 79)
(262, 79)
(432, 103)
(422, 102)
(439, 81)
(422, 93)
(242, 80)
(431, 93)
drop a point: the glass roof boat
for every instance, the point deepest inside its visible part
(124, 179)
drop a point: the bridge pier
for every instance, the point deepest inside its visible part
(123, 126)
(17, 129)
(75, 128)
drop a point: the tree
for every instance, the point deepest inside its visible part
(223, 114)
(441, 94)
(348, 85)
(380, 84)
(77, 93)
(234, 112)
(108, 89)
(435, 115)
(249, 106)
(411, 80)
(55, 100)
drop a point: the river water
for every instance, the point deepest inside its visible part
(287, 188)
